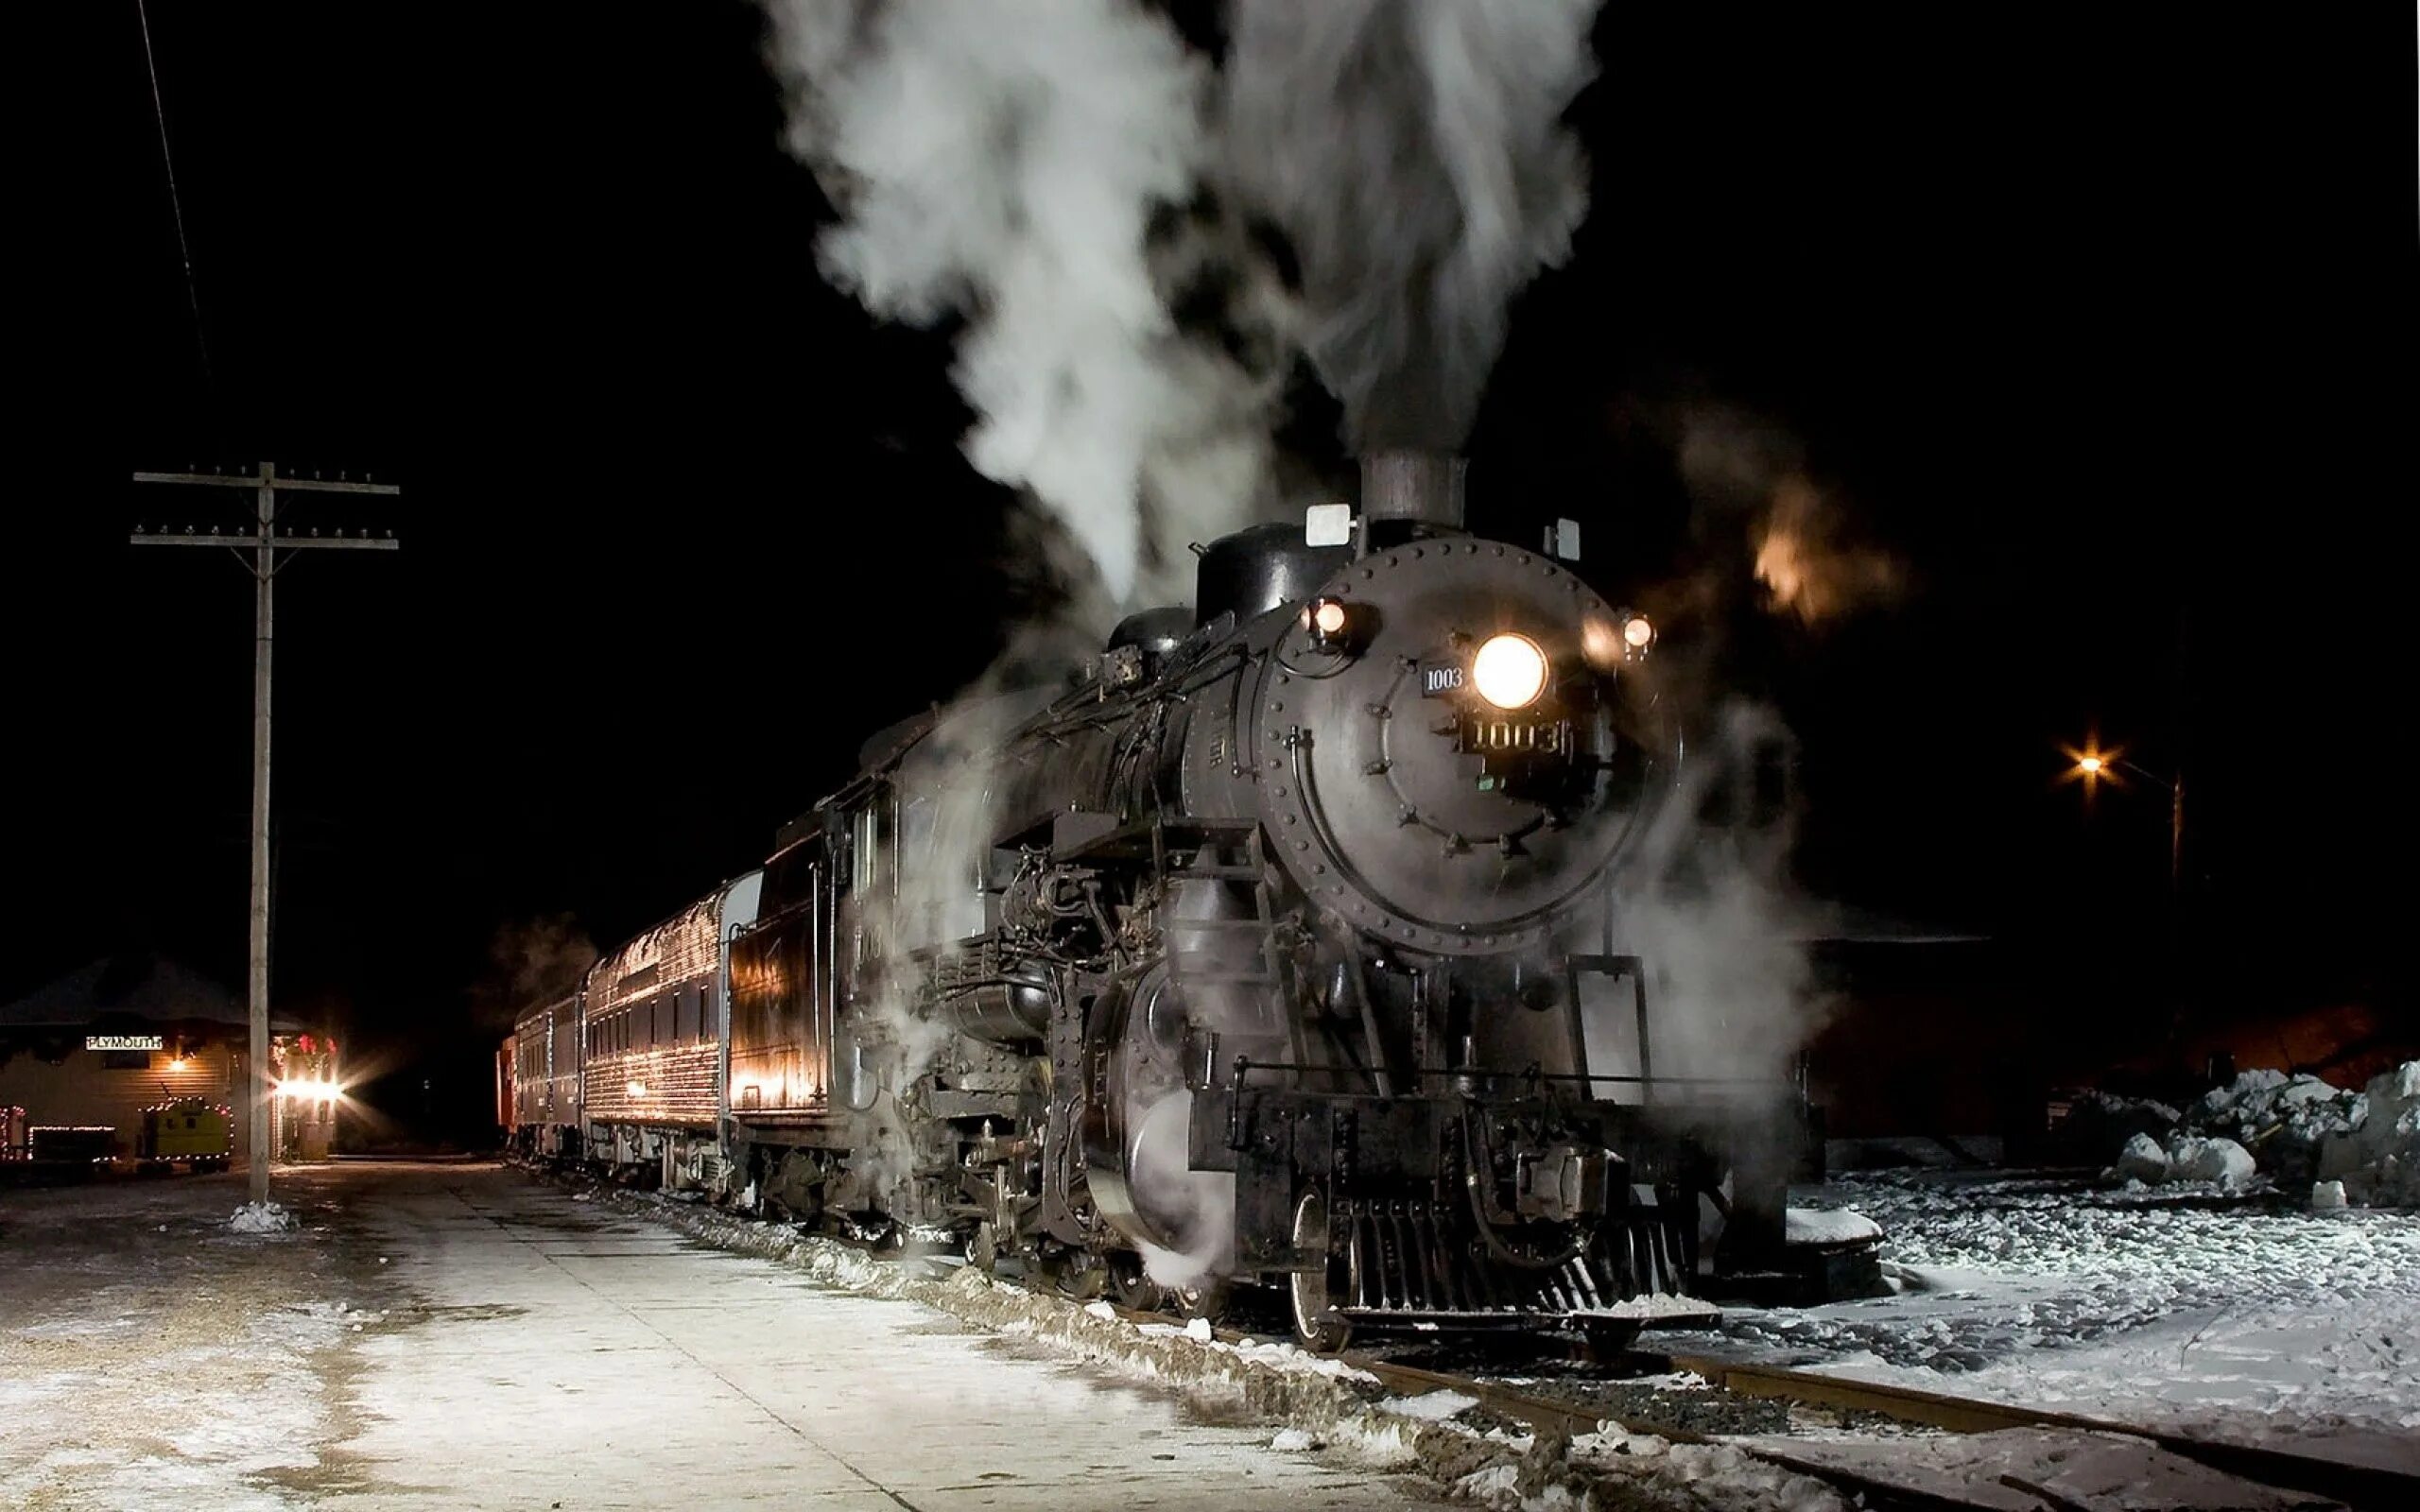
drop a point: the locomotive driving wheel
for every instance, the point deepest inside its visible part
(1128, 1284)
(1312, 1294)
(1132, 1287)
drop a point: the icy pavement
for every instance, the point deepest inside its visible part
(2206, 1312)
(439, 1336)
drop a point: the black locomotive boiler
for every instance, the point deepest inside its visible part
(1275, 949)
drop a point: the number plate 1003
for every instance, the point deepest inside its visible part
(1525, 737)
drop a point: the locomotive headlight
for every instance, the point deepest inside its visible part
(1510, 671)
(1328, 625)
(1639, 632)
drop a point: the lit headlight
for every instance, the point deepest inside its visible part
(1330, 625)
(1510, 671)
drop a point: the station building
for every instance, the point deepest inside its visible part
(136, 1057)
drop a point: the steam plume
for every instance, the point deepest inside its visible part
(1712, 909)
(530, 962)
(1005, 163)
(1806, 554)
(1412, 152)
(1163, 1166)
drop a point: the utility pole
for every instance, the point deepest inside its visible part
(259, 552)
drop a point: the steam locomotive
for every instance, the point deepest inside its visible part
(1277, 949)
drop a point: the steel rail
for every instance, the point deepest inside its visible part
(2357, 1485)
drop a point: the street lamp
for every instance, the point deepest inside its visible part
(2094, 765)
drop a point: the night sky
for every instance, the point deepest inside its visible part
(2103, 326)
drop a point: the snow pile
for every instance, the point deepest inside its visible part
(2285, 1119)
(261, 1218)
(2263, 1123)
(1429, 1406)
(2142, 1160)
(2186, 1158)
(2378, 1158)
(2220, 1161)
(1828, 1226)
(2297, 1129)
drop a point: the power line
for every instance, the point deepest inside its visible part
(176, 204)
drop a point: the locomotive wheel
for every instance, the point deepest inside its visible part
(1207, 1300)
(1131, 1286)
(1078, 1274)
(983, 1250)
(1318, 1325)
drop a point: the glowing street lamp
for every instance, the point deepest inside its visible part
(2094, 765)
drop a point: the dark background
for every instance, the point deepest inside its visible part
(2103, 325)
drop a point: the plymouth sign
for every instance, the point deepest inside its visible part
(122, 1042)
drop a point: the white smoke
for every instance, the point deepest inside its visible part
(1414, 153)
(1199, 1205)
(948, 820)
(1709, 905)
(533, 961)
(1045, 173)
(1003, 164)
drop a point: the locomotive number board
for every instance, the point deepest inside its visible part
(1438, 678)
(1529, 737)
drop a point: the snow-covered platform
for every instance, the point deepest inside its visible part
(444, 1335)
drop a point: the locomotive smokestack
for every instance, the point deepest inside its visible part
(1412, 487)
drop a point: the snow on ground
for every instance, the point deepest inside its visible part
(1827, 1226)
(151, 1355)
(2206, 1310)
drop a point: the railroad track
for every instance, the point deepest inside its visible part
(2360, 1487)
(2356, 1486)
